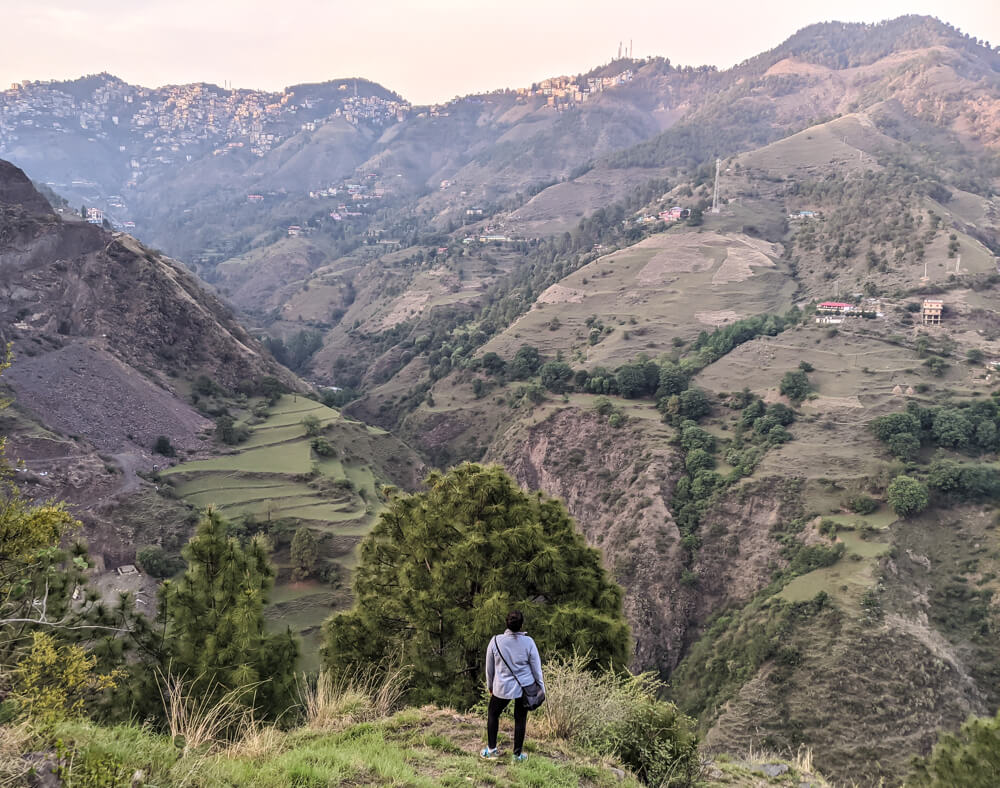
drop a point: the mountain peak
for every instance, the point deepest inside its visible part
(841, 45)
(16, 189)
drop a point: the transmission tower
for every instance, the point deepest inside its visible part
(715, 194)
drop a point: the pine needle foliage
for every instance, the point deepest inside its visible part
(967, 759)
(215, 620)
(442, 568)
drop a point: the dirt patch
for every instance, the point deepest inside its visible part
(81, 389)
(739, 265)
(560, 294)
(405, 306)
(719, 318)
(683, 254)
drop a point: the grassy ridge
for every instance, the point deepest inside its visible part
(416, 748)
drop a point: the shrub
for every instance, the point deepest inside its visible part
(968, 759)
(163, 446)
(862, 504)
(155, 561)
(907, 496)
(795, 385)
(312, 424)
(603, 406)
(323, 447)
(370, 693)
(619, 715)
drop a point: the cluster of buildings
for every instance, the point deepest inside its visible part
(836, 311)
(670, 215)
(564, 92)
(931, 310)
(160, 126)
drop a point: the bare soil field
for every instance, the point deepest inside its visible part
(673, 284)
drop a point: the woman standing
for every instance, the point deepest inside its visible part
(512, 665)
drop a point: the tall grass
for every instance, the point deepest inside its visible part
(364, 695)
(196, 718)
(619, 714)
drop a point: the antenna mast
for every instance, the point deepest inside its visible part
(715, 194)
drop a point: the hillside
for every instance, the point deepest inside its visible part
(116, 346)
(417, 747)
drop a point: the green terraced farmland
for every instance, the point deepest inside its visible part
(275, 475)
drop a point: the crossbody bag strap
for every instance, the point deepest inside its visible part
(496, 647)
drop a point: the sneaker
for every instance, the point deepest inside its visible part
(490, 755)
(520, 756)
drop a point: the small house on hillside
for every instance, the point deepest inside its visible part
(931, 310)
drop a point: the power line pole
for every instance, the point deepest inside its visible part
(715, 194)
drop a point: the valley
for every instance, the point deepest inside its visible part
(699, 307)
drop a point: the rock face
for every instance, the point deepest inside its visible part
(66, 281)
(617, 484)
(16, 191)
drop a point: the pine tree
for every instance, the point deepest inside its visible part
(442, 568)
(215, 622)
(304, 553)
(968, 759)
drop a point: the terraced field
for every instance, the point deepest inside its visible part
(275, 475)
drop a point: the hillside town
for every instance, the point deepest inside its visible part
(156, 126)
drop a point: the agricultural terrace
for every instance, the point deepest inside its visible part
(276, 477)
(673, 284)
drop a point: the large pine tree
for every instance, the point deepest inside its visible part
(442, 568)
(215, 621)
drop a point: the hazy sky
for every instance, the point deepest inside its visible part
(428, 51)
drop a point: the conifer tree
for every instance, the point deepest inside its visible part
(967, 759)
(304, 553)
(215, 622)
(442, 568)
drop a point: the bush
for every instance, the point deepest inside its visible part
(323, 447)
(163, 446)
(907, 496)
(862, 504)
(312, 424)
(155, 561)
(619, 715)
(603, 406)
(795, 385)
(229, 432)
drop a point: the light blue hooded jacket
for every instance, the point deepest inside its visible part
(521, 654)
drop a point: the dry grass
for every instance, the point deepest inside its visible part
(14, 741)
(582, 705)
(368, 694)
(196, 720)
(254, 740)
(801, 761)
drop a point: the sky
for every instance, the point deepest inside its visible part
(426, 50)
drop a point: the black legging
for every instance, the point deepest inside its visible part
(497, 705)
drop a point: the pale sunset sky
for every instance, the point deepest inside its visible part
(427, 51)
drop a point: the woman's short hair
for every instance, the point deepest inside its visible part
(515, 620)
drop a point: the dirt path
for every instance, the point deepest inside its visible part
(130, 479)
